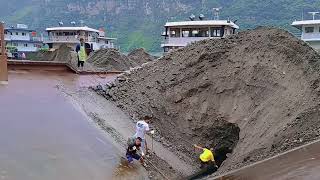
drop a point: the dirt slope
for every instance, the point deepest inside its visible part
(61, 55)
(256, 93)
(140, 56)
(111, 59)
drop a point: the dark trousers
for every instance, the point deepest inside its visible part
(80, 63)
(207, 168)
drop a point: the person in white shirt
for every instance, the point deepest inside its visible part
(142, 127)
(23, 56)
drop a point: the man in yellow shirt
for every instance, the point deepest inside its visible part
(206, 158)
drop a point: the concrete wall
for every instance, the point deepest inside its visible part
(315, 45)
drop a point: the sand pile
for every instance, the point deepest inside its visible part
(63, 54)
(256, 93)
(60, 55)
(111, 60)
(140, 56)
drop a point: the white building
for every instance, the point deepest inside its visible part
(22, 38)
(180, 34)
(310, 31)
(71, 37)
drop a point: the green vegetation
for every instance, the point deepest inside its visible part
(20, 14)
(11, 49)
(139, 23)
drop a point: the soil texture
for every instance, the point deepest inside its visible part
(254, 94)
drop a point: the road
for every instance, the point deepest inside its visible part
(43, 136)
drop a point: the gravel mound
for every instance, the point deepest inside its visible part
(59, 55)
(111, 60)
(255, 94)
(140, 56)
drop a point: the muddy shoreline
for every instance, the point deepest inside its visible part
(93, 105)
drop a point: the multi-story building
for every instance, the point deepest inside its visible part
(180, 34)
(310, 31)
(70, 36)
(24, 39)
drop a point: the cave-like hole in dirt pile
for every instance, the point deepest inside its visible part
(223, 137)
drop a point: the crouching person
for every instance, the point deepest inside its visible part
(134, 145)
(206, 158)
(208, 164)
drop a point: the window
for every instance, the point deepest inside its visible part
(186, 33)
(166, 49)
(17, 33)
(10, 33)
(190, 32)
(25, 45)
(309, 29)
(199, 32)
(23, 34)
(203, 32)
(175, 32)
(15, 44)
(216, 32)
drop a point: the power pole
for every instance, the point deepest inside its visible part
(3, 57)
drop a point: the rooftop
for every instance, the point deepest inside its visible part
(299, 24)
(203, 23)
(19, 29)
(84, 28)
(26, 41)
(107, 38)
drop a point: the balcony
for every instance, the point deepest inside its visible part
(181, 41)
(66, 39)
(38, 39)
(61, 39)
(310, 36)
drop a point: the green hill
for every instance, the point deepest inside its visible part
(139, 23)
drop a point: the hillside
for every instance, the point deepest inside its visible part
(138, 23)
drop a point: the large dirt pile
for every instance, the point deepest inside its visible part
(140, 56)
(111, 60)
(256, 93)
(63, 54)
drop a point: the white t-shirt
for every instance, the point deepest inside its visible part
(141, 128)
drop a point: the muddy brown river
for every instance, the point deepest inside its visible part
(43, 136)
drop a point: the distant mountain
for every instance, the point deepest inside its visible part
(139, 23)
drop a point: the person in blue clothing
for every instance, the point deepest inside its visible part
(83, 51)
(134, 144)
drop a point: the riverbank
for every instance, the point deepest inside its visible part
(162, 164)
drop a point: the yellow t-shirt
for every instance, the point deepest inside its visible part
(206, 156)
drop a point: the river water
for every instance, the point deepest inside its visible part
(43, 136)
